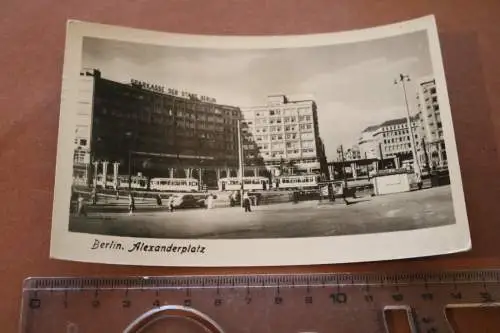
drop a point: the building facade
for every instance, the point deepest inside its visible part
(156, 132)
(368, 143)
(432, 152)
(349, 153)
(394, 138)
(284, 136)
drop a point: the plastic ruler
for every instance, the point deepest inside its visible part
(339, 302)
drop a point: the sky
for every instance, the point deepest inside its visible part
(352, 84)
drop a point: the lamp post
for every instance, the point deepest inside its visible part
(129, 136)
(240, 162)
(342, 160)
(402, 79)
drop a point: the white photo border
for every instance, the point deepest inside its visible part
(74, 246)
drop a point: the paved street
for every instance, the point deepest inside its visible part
(404, 211)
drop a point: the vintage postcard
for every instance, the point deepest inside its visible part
(194, 150)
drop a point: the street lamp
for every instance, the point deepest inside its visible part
(129, 136)
(402, 79)
(240, 162)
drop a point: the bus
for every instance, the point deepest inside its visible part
(174, 184)
(298, 182)
(250, 183)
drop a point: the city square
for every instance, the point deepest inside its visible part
(143, 148)
(407, 211)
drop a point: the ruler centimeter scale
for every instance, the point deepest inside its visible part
(327, 302)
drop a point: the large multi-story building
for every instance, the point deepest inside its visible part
(394, 138)
(154, 131)
(285, 136)
(431, 127)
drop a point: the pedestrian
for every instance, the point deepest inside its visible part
(246, 202)
(171, 203)
(94, 196)
(81, 206)
(131, 203)
(158, 200)
(210, 201)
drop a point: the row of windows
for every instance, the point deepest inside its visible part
(278, 120)
(280, 128)
(401, 132)
(163, 119)
(285, 112)
(292, 136)
(399, 147)
(400, 139)
(396, 127)
(281, 153)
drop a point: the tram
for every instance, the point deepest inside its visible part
(298, 182)
(174, 184)
(250, 183)
(137, 182)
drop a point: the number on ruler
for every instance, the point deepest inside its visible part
(339, 298)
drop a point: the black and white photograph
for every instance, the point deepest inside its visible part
(215, 150)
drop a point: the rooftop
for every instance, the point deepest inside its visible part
(371, 128)
(396, 121)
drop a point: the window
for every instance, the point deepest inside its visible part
(83, 142)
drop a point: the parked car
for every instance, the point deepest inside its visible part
(187, 201)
